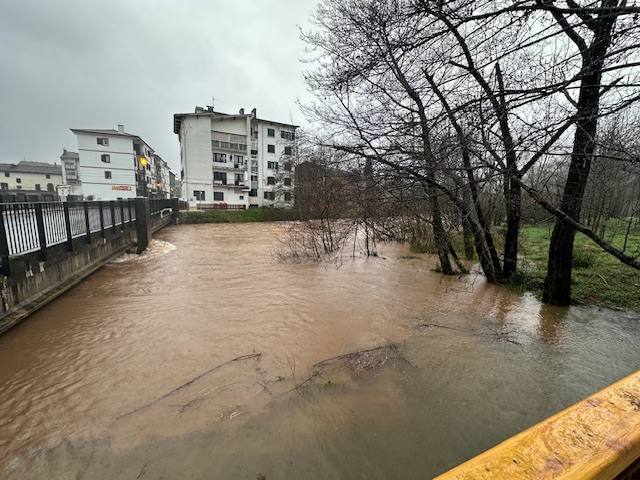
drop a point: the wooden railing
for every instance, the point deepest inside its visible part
(595, 439)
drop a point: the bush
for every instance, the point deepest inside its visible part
(583, 259)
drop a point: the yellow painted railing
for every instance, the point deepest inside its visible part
(597, 438)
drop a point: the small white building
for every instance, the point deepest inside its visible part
(235, 161)
(114, 164)
(34, 178)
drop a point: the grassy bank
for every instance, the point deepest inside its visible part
(237, 216)
(598, 278)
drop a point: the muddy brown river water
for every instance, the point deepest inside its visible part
(207, 358)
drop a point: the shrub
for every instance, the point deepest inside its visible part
(583, 259)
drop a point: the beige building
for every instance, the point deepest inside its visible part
(30, 177)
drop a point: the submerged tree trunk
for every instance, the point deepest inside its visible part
(482, 238)
(439, 233)
(512, 193)
(513, 201)
(557, 285)
(467, 234)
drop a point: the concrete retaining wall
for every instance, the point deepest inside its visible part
(32, 282)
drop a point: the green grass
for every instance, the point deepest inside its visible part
(598, 278)
(237, 216)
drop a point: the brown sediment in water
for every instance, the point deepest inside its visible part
(208, 334)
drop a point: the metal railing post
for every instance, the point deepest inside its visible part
(86, 221)
(67, 226)
(113, 216)
(42, 237)
(121, 214)
(102, 232)
(4, 245)
(129, 208)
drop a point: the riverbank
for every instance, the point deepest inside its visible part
(598, 278)
(237, 216)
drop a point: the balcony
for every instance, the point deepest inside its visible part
(234, 147)
(229, 166)
(232, 184)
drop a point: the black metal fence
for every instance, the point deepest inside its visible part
(160, 208)
(34, 226)
(29, 227)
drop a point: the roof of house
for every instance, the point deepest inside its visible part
(32, 167)
(69, 154)
(109, 132)
(200, 112)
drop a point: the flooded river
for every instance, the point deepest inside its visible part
(207, 358)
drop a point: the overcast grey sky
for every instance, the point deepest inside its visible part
(94, 64)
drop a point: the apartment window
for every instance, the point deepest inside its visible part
(271, 180)
(287, 166)
(271, 132)
(254, 152)
(50, 187)
(287, 197)
(218, 196)
(269, 195)
(6, 174)
(241, 197)
(19, 187)
(254, 178)
(103, 141)
(272, 165)
(38, 187)
(287, 135)
(18, 180)
(220, 157)
(107, 174)
(4, 186)
(252, 193)
(287, 150)
(198, 195)
(48, 176)
(287, 181)
(104, 158)
(271, 148)
(220, 177)
(238, 160)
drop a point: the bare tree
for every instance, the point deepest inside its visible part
(469, 98)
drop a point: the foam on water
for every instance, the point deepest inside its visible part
(157, 248)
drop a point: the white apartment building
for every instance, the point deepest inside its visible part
(235, 160)
(115, 164)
